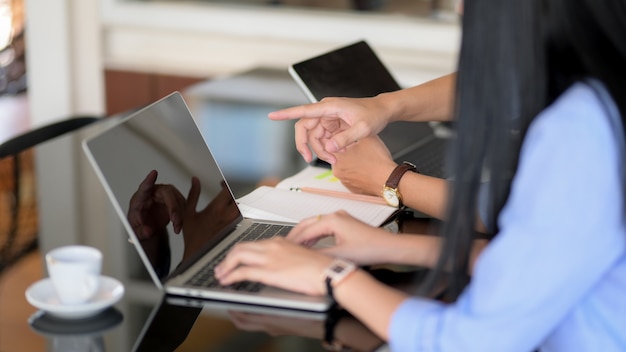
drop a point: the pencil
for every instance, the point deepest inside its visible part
(339, 194)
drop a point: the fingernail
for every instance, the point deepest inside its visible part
(332, 146)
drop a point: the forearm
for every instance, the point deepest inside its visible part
(407, 249)
(356, 294)
(429, 195)
(418, 250)
(430, 101)
(425, 194)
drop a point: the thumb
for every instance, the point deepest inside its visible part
(342, 140)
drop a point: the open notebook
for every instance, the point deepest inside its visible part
(303, 195)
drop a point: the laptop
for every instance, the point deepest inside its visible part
(164, 137)
(355, 71)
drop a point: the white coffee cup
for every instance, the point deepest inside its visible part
(75, 272)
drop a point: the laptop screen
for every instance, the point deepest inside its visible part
(163, 137)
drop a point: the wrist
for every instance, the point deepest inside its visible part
(389, 105)
(380, 176)
(335, 274)
(390, 191)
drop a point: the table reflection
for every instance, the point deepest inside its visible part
(76, 334)
(220, 326)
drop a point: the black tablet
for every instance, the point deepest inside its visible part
(353, 71)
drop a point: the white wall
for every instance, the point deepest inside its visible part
(204, 39)
(64, 79)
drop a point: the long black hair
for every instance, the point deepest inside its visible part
(516, 58)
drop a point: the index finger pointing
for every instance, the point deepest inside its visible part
(306, 111)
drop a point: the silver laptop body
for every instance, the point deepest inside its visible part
(164, 137)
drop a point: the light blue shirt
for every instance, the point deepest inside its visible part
(554, 278)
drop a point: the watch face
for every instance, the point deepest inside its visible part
(391, 197)
(337, 268)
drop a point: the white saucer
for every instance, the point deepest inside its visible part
(43, 296)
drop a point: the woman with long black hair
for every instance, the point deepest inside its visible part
(539, 109)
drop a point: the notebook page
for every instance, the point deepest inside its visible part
(285, 204)
(314, 177)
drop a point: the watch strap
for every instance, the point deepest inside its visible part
(330, 343)
(329, 292)
(397, 173)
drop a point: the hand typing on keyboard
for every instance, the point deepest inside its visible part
(276, 262)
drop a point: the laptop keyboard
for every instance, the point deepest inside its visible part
(257, 231)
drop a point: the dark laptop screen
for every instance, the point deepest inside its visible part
(164, 137)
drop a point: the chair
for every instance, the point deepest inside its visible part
(14, 206)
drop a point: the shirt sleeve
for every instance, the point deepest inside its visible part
(560, 232)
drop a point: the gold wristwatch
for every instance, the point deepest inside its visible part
(390, 190)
